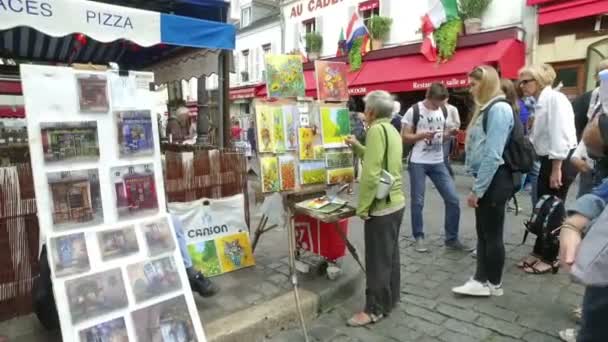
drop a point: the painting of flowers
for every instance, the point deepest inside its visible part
(270, 174)
(278, 129)
(335, 126)
(284, 76)
(306, 136)
(312, 173)
(290, 122)
(265, 128)
(287, 166)
(331, 81)
(340, 176)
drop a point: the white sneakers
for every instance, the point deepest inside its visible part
(477, 289)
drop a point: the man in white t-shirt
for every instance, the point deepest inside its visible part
(424, 126)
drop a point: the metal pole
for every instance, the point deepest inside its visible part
(224, 101)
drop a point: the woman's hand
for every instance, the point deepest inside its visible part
(555, 181)
(569, 242)
(350, 140)
(472, 200)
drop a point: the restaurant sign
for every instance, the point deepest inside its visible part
(305, 9)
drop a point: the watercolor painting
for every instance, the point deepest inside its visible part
(204, 258)
(332, 81)
(306, 136)
(135, 136)
(113, 331)
(159, 236)
(117, 243)
(69, 141)
(312, 173)
(338, 160)
(339, 176)
(335, 125)
(290, 122)
(69, 254)
(319, 152)
(135, 190)
(92, 93)
(234, 252)
(284, 76)
(167, 321)
(265, 128)
(270, 174)
(287, 167)
(153, 278)
(278, 128)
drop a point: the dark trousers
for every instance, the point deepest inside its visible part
(544, 188)
(382, 265)
(489, 223)
(595, 311)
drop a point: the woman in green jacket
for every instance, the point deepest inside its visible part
(382, 216)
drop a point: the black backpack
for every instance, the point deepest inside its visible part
(548, 216)
(407, 148)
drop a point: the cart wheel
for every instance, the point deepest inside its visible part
(323, 268)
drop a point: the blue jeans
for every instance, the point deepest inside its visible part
(532, 177)
(440, 177)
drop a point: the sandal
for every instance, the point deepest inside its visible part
(362, 319)
(536, 268)
(528, 261)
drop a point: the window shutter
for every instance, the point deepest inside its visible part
(237, 67)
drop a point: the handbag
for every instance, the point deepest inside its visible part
(386, 179)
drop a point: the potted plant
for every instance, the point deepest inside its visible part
(471, 11)
(380, 28)
(314, 43)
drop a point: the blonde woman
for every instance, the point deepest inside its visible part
(554, 139)
(493, 184)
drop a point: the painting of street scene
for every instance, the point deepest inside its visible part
(110, 331)
(69, 254)
(168, 321)
(159, 236)
(135, 190)
(117, 243)
(69, 141)
(92, 93)
(95, 295)
(75, 198)
(135, 136)
(150, 279)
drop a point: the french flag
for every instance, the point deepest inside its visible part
(356, 29)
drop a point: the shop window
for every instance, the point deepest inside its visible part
(310, 25)
(369, 9)
(245, 16)
(572, 77)
(244, 108)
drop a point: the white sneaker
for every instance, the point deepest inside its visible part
(473, 288)
(420, 246)
(496, 290)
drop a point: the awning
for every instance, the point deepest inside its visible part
(551, 13)
(107, 23)
(415, 73)
(245, 92)
(197, 63)
(10, 112)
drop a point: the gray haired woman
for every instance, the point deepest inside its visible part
(382, 151)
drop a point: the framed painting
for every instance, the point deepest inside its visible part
(331, 81)
(284, 76)
(335, 126)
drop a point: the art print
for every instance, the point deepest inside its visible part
(117, 243)
(69, 141)
(278, 129)
(134, 131)
(111, 331)
(204, 257)
(287, 168)
(153, 278)
(95, 295)
(159, 236)
(331, 81)
(290, 122)
(69, 254)
(340, 176)
(135, 190)
(284, 76)
(265, 128)
(270, 174)
(76, 198)
(167, 321)
(335, 125)
(306, 136)
(312, 173)
(337, 160)
(234, 252)
(92, 93)
(319, 152)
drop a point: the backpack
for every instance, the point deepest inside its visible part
(548, 216)
(407, 148)
(42, 295)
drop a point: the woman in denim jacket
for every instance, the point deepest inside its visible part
(493, 183)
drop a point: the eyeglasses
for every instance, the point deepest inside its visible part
(524, 82)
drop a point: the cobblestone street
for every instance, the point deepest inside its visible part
(533, 309)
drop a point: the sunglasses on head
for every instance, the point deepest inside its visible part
(524, 82)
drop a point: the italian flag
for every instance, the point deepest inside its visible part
(439, 13)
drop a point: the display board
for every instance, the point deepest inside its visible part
(116, 270)
(216, 233)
